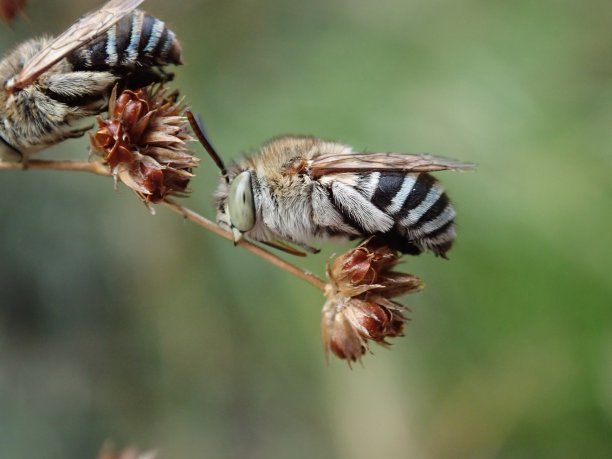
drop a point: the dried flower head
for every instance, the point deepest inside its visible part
(144, 142)
(359, 307)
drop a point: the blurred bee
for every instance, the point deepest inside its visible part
(51, 85)
(298, 189)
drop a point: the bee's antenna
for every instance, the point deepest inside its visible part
(198, 129)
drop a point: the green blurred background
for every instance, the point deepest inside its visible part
(150, 331)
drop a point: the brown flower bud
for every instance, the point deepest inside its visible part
(144, 143)
(358, 307)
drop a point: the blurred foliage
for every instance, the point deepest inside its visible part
(148, 331)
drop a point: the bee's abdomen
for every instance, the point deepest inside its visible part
(423, 214)
(138, 40)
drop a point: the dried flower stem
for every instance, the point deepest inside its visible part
(99, 168)
(262, 253)
(94, 167)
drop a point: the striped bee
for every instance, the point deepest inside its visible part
(298, 189)
(51, 85)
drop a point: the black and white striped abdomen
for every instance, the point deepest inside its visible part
(423, 214)
(412, 210)
(138, 40)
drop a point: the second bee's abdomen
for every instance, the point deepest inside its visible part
(137, 40)
(424, 216)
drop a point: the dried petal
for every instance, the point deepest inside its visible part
(339, 336)
(369, 318)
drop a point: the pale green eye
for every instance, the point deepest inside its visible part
(240, 202)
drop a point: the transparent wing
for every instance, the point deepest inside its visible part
(372, 162)
(78, 34)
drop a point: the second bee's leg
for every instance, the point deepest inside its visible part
(75, 133)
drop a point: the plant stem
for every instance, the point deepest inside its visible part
(99, 168)
(94, 167)
(260, 252)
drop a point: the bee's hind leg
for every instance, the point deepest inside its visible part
(307, 248)
(285, 247)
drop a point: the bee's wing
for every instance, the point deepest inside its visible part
(78, 34)
(372, 162)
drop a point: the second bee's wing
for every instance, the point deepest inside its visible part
(78, 34)
(372, 162)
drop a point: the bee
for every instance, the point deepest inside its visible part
(299, 189)
(51, 85)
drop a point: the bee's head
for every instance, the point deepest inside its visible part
(235, 202)
(239, 205)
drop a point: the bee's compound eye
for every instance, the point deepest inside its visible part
(9, 84)
(240, 202)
